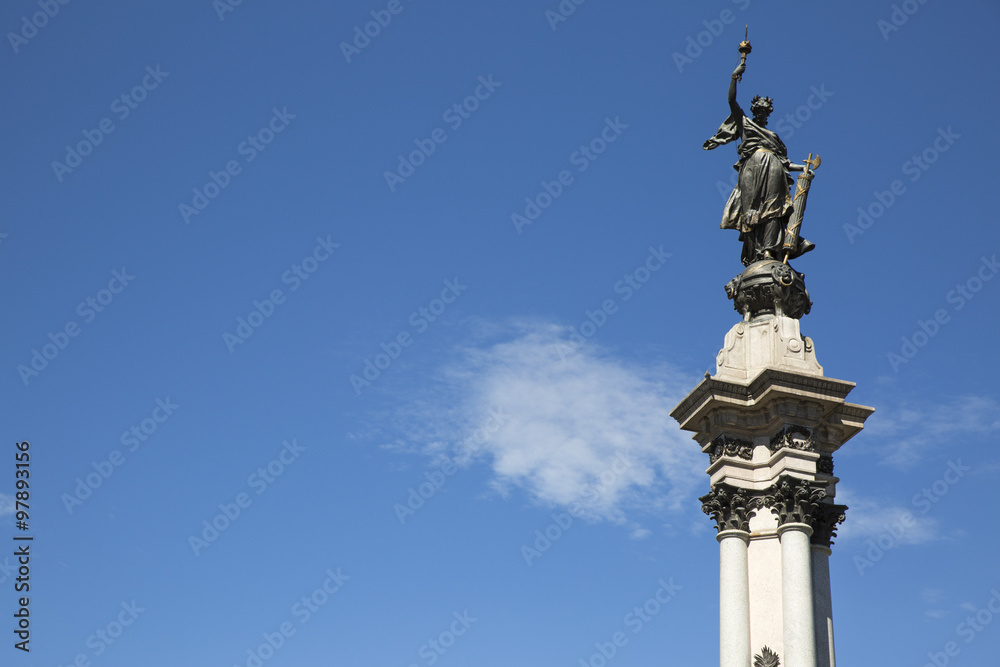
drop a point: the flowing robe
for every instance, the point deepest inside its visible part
(760, 204)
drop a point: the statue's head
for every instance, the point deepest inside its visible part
(761, 108)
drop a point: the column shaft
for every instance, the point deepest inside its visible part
(823, 607)
(796, 596)
(734, 599)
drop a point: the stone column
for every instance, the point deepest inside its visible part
(796, 595)
(826, 518)
(798, 503)
(734, 599)
(822, 607)
(728, 506)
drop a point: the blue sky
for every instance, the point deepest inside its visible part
(215, 183)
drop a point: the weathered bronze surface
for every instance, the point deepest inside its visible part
(760, 207)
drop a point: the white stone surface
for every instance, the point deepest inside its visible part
(758, 475)
(764, 566)
(734, 599)
(768, 378)
(799, 632)
(773, 342)
(823, 607)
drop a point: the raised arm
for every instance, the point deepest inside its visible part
(733, 105)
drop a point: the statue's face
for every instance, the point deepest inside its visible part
(761, 112)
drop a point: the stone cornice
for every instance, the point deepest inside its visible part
(829, 391)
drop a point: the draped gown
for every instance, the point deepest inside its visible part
(760, 204)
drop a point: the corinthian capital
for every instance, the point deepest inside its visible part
(795, 500)
(729, 507)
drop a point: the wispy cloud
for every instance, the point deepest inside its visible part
(868, 518)
(568, 417)
(908, 432)
(6, 504)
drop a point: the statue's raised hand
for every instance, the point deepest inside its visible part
(738, 72)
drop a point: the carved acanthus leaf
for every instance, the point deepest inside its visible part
(794, 437)
(728, 446)
(729, 507)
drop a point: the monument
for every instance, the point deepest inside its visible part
(770, 420)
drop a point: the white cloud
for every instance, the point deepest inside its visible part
(582, 429)
(6, 504)
(906, 433)
(870, 519)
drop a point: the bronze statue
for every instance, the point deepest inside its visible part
(760, 207)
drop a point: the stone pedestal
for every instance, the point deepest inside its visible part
(770, 422)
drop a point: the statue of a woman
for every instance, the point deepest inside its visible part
(760, 204)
